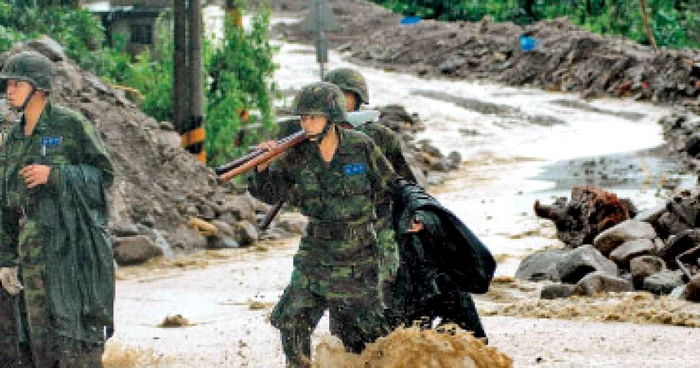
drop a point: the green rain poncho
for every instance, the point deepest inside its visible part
(56, 233)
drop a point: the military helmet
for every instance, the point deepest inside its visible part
(349, 80)
(321, 98)
(28, 66)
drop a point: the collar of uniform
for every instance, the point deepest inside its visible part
(342, 134)
(41, 125)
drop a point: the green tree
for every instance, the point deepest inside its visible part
(241, 71)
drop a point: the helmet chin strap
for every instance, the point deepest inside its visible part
(318, 137)
(26, 100)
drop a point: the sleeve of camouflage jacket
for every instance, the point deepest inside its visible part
(90, 151)
(394, 154)
(384, 177)
(271, 185)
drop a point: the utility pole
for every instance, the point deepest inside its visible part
(188, 109)
(320, 20)
(197, 132)
(180, 81)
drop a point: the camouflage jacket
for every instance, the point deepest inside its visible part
(382, 136)
(390, 145)
(344, 190)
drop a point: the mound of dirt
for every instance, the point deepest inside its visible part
(413, 347)
(566, 57)
(158, 186)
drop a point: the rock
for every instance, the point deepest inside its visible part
(124, 229)
(692, 145)
(671, 224)
(692, 289)
(589, 211)
(651, 215)
(295, 225)
(644, 266)
(630, 249)
(223, 227)
(219, 241)
(678, 292)
(186, 239)
(677, 245)
(582, 261)
(663, 282)
(246, 233)
(166, 125)
(242, 208)
(541, 265)
(135, 250)
(556, 291)
(598, 282)
(455, 158)
(613, 237)
(48, 47)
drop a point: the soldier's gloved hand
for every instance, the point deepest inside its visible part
(10, 281)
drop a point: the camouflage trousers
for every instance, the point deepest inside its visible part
(9, 353)
(37, 339)
(350, 295)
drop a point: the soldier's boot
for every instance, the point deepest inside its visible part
(296, 343)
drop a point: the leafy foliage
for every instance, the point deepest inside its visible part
(241, 72)
(240, 69)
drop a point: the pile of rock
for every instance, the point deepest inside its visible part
(565, 57)
(658, 251)
(682, 135)
(159, 187)
(429, 164)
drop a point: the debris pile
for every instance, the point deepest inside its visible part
(656, 250)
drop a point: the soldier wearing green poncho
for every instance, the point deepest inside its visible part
(55, 254)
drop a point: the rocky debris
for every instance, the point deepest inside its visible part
(556, 291)
(590, 211)
(135, 250)
(660, 254)
(566, 58)
(541, 265)
(581, 261)
(159, 186)
(624, 233)
(680, 131)
(601, 282)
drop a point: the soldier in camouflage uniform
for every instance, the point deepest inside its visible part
(55, 254)
(354, 87)
(340, 175)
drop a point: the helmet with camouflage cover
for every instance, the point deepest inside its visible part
(28, 66)
(349, 80)
(321, 98)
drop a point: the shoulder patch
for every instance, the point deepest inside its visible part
(354, 169)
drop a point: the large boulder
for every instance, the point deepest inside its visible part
(601, 282)
(663, 282)
(135, 250)
(582, 261)
(631, 249)
(613, 237)
(541, 265)
(643, 267)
